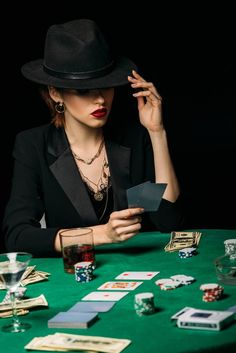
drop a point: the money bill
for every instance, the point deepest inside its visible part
(8, 313)
(38, 344)
(28, 270)
(25, 303)
(34, 276)
(181, 240)
(19, 294)
(31, 275)
(69, 342)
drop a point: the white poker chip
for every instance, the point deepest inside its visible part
(183, 279)
(146, 295)
(209, 286)
(162, 281)
(167, 283)
(170, 285)
(230, 241)
(188, 250)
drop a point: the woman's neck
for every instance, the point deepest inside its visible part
(83, 136)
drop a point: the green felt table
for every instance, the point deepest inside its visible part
(153, 333)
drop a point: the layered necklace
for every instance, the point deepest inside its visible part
(90, 161)
(99, 189)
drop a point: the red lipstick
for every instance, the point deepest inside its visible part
(99, 113)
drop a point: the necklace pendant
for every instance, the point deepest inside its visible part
(98, 196)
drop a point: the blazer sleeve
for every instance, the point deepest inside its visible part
(21, 224)
(170, 215)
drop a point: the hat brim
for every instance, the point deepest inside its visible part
(34, 71)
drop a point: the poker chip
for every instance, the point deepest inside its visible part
(209, 286)
(230, 248)
(84, 271)
(183, 279)
(144, 303)
(167, 283)
(212, 292)
(174, 282)
(161, 281)
(187, 252)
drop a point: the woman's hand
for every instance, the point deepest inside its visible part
(149, 103)
(123, 224)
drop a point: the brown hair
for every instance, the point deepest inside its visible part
(58, 119)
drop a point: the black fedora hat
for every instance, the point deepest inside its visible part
(76, 55)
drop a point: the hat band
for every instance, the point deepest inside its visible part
(79, 75)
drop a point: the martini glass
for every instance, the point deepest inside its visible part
(12, 268)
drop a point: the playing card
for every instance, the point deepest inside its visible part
(145, 275)
(92, 307)
(134, 195)
(120, 285)
(106, 296)
(146, 195)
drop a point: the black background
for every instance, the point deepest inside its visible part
(186, 49)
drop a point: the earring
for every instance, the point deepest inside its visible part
(60, 107)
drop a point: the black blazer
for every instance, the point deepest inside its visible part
(46, 181)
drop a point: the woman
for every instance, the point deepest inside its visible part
(75, 171)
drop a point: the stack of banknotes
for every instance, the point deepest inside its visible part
(23, 306)
(31, 275)
(181, 240)
(69, 342)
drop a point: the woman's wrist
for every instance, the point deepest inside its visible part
(100, 235)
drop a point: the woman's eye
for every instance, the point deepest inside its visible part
(82, 92)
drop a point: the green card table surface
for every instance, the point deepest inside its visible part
(150, 333)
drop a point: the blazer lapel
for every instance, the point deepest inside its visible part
(66, 172)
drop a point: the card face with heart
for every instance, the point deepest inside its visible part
(139, 275)
(120, 285)
(147, 195)
(92, 307)
(106, 296)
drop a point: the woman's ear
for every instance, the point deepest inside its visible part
(54, 94)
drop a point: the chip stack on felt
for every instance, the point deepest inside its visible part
(84, 271)
(187, 252)
(212, 292)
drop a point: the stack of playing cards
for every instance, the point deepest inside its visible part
(81, 315)
(72, 320)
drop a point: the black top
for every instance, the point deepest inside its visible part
(46, 181)
(104, 207)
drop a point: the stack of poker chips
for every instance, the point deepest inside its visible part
(212, 292)
(183, 279)
(167, 283)
(230, 248)
(144, 303)
(187, 252)
(174, 282)
(84, 271)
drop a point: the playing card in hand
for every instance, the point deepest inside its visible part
(146, 195)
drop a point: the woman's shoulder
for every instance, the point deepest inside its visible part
(33, 138)
(33, 132)
(30, 144)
